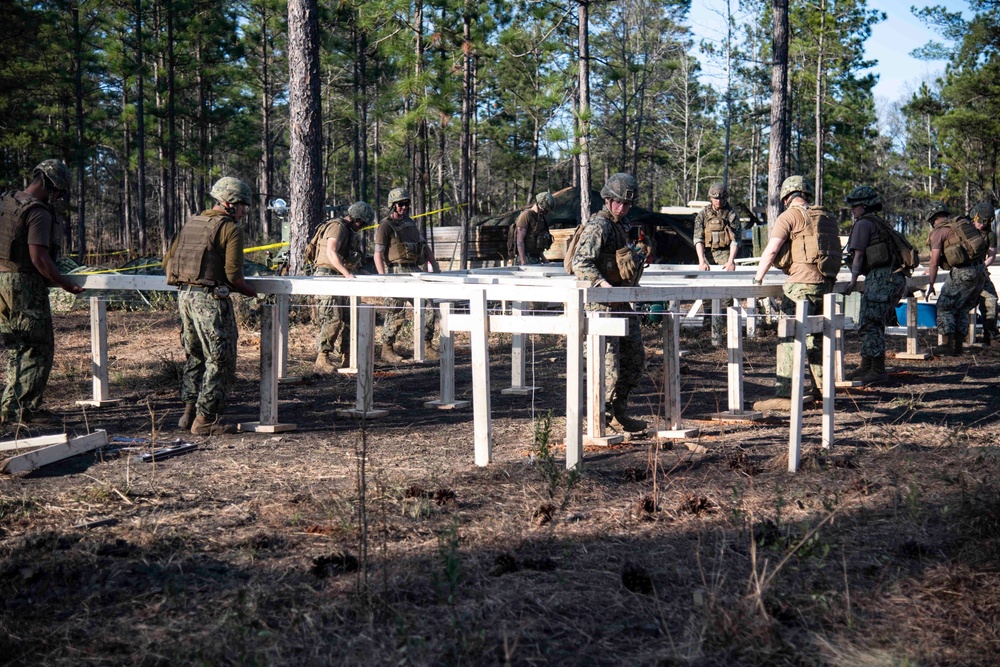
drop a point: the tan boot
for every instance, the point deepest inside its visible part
(323, 364)
(184, 423)
(430, 354)
(389, 355)
(876, 374)
(210, 426)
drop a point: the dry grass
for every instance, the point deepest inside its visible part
(273, 550)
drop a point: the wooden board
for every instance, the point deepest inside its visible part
(54, 453)
(27, 443)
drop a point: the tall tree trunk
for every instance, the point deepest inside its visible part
(466, 160)
(171, 220)
(779, 92)
(729, 90)
(140, 131)
(584, 72)
(363, 118)
(81, 200)
(266, 149)
(305, 125)
(419, 193)
(818, 200)
(163, 200)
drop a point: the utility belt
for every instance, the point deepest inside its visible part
(218, 292)
(405, 264)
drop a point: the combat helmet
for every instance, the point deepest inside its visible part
(794, 184)
(55, 172)
(937, 208)
(361, 212)
(397, 195)
(864, 195)
(718, 191)
(983, 213)
(621, 187)
(545, 202)
(229, 190)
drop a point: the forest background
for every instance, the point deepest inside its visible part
(476, 105)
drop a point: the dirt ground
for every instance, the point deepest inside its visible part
(382, 543)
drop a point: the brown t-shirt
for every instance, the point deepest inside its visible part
(793, 221)
(333, 231)
(39, 225)
(937, 237)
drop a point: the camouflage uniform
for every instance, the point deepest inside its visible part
(988, 297)
(883, 289)
(813, 293)
(395, 314)
(208, 324)
(594, 261)
(958, 295)
(25, 314)
(208, 335)
(26, 328)
(719, 256)
(334, 319)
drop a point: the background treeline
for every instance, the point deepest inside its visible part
(149, 101)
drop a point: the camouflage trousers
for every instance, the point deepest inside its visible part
(988, 300)
(720, 325)
(208, 335)
(624, 356)
(395, 313)
(883, 289)
(958, 295)
(26, 329)
(333, 313)
(813, 294)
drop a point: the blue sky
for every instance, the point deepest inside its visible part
(890, 43)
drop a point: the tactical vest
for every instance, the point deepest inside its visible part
(195, 259)
(718, 232)
(349, 252)
(818, 243)
(406, 246)
(964, 245)
(607, 261)
(879, 252)
(14, 209)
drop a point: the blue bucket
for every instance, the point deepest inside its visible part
(926, 314)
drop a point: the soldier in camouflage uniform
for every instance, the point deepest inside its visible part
(960, 291)
(983, 217)
(805, 282)
(872, 253)
(531, 232)
(206, 263)
(339, 254)
(718, 229)
(401, 248)
(30, 233)
(604, 258)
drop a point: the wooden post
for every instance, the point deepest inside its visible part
(419, 317)
(838, 349)
(798, 381)
(574, 380)
(833, 322)
(734, 339)
(973, 316)
(672, 380)
(716, 313)
(481, 407)
(270, 347)
(99, 352)
(284, 305)
(751, 318)
(596, 379)
(518, 380)
(366, 367)
(912, 341)
(447, 344)
(352, 361)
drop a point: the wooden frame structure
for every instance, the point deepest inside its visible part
(474, 291)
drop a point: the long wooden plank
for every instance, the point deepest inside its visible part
(574, 381)
(28, 443)
(543, 324)
(481, 402)
(833, 322)
(54, 453)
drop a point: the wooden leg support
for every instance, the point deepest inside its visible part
(736, 410)
(912, 342)
(99, 353)
(672, 380)
(366, 368)
(447, 400)
(270, 350)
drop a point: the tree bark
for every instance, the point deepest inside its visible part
(81, 200)
(779, 92)
(305, 177)
(140, 132)
(583, 17)
(818, 199)
(466, 160)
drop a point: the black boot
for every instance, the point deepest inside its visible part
(862, 370)
(876, 374)
(621, 419)
(959, 345)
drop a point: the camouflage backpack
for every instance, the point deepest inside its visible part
(313, 247)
